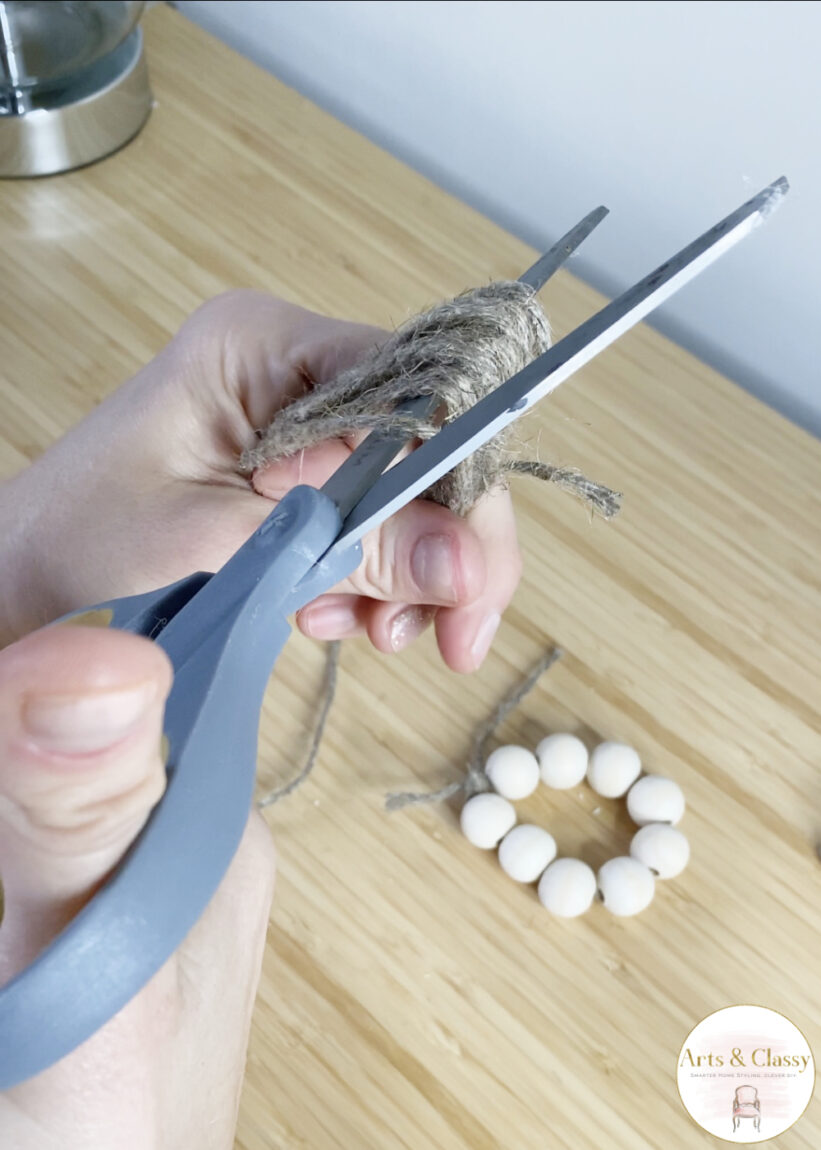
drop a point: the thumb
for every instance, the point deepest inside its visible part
(80, 769)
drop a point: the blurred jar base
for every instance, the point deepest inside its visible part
(83, 120)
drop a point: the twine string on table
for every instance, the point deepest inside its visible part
(326, 697)
(475, 780)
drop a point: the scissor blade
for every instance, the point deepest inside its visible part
(512, 399)
(356, 476)
(546, 265)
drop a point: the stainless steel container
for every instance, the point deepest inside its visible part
(73, 82)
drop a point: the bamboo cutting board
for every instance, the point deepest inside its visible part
(412, 996)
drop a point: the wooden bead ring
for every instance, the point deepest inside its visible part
(527, 853)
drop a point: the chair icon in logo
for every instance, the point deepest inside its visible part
(746, 1105)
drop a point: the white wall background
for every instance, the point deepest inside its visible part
(671, 113)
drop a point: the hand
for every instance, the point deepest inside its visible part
(80, 724)
(145, 490)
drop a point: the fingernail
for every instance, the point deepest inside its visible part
(409, 625)
(330, 621)
(82, 723)
(433, 567)
(484, 637)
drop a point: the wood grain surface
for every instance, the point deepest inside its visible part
(413, 997)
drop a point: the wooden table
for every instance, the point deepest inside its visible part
(412, 996)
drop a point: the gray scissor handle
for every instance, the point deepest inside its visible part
(223, 643)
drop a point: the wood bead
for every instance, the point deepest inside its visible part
(562, 761)
(626, 886)
(654, 799)
(662, 848)
(525, 851)
(567, 887)
(513, 772)
(614, 767)
(485, 819)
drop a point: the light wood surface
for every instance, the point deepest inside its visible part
(412, 996)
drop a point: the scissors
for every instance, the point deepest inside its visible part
(223, 633)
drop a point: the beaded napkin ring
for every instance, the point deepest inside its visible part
(567, 886)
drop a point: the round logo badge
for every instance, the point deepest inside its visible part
(745, 1074)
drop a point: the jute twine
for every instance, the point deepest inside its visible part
(457, 351)
(475, 780)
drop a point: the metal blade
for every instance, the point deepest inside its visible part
(355, 477)
(546, 265)
(511, 400)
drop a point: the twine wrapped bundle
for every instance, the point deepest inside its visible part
(457, 352)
